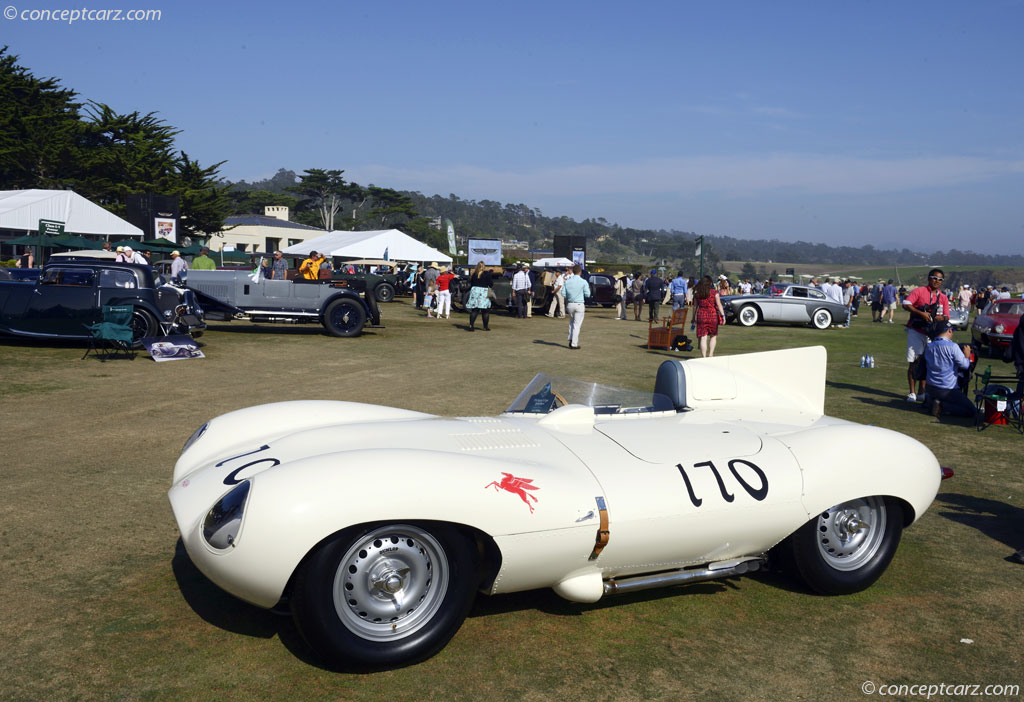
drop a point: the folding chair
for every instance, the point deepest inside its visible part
(996, 402)
(113, 335)
(661, 336)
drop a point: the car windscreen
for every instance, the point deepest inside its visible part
(546, 393)
(1016, 308)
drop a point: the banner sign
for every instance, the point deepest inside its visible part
(166, 228)
(451, 236)
(486, 250)
(51, 227)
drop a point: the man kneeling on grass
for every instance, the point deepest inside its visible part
(942, 358)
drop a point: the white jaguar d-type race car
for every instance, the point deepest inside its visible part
(379, 525)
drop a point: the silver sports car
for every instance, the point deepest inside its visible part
(785, 304)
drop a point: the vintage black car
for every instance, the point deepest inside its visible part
(383, 285)
(71, 294)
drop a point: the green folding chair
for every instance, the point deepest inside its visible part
(113, 335)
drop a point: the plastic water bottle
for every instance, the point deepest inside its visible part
(864, 361)
(871, 361)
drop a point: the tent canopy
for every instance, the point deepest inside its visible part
(552, 263)
(22, 210)
(381, 243)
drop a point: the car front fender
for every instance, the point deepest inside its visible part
(292, 507)
(846, 461)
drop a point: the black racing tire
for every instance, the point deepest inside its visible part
(344, 317)
(385, 292)
(821, 318)
(143, 325)
(385, 595)
(847, 547)
(748, 316)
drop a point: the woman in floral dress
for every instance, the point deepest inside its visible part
(710, 314)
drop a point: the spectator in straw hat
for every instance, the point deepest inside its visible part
(179, 267)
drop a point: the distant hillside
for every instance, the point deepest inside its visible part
(607, 241)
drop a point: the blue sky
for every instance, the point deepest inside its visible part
(889, 123)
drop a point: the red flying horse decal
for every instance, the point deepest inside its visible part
(517, 486)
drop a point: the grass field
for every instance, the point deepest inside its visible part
(103, 604)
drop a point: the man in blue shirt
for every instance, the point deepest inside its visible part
(889, 301)
(942, 358)
(678, 289)
(576, 291)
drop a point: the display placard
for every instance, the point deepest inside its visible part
(486, 250)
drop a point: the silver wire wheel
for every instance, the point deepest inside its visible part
(390, 582)
(850, 534)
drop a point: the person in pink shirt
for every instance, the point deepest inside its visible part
(926, 304)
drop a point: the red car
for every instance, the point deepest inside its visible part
(995, 326)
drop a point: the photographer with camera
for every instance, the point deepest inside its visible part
(926, 305)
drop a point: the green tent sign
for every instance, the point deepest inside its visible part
(51, 227)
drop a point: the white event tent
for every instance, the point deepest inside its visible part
(379, 244)
(21, 211)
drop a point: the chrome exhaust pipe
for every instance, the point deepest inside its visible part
(679, 577)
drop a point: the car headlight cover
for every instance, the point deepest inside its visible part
(999, 329)
(223, 521)
(195, 437)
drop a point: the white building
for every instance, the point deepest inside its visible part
(267, 232)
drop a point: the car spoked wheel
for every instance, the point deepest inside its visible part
(387, 585)
(344, 317)
(848, 547)
(850, 533)
(143, 325)
(821, 319)
(384, 595)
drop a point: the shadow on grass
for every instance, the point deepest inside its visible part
(897, 403)
(859, 388)
(546, 601)
(226, 612)
(996, 520)
(290, 330)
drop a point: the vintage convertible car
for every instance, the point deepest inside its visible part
(786, 304)
(994, 327)
(378, 525)
(343, 307)
(70, 293)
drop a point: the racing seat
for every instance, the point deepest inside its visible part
(661, 336)
(671, 382)
(113, 335)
